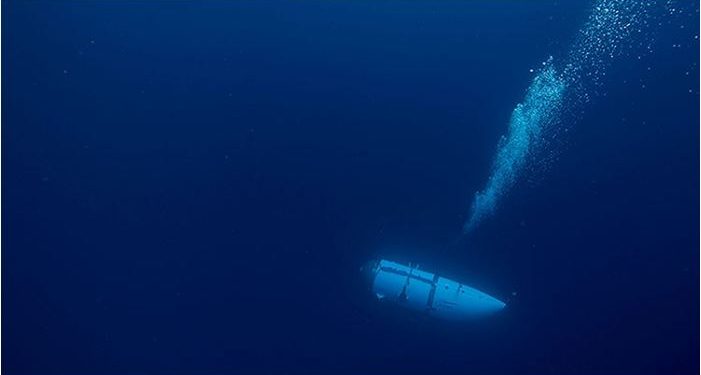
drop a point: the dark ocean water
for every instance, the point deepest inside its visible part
(191, 188)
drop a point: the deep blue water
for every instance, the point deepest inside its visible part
(191, 187)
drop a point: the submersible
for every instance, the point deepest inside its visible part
(418, 290)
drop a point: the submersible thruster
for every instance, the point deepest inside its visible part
(418, 290)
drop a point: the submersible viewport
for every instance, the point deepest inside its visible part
(426, 292)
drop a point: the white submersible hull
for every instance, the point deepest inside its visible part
(427, 292)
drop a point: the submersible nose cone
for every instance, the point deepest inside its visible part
(492, 305)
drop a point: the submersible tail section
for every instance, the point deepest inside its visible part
(429, 293)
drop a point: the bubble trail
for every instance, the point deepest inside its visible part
(554, 92)
(539, 108)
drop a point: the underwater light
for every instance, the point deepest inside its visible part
(426, 292)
